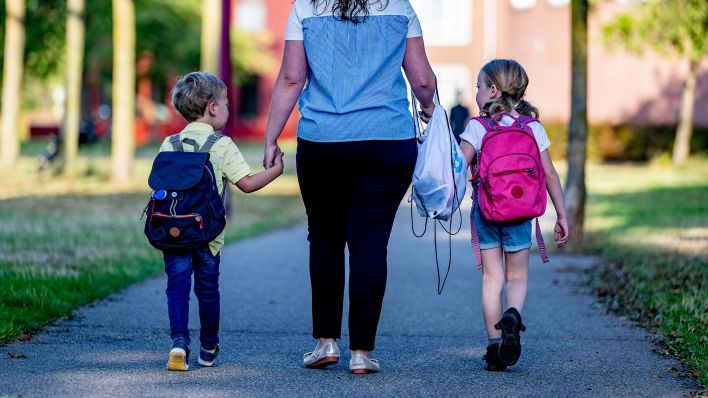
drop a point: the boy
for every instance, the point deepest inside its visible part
(201, 98)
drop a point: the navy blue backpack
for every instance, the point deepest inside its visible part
(185, 210)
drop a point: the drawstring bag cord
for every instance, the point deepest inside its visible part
(450, 233)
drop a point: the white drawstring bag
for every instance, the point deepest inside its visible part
(440, 176)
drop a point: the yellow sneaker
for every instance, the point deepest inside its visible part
(179, 356)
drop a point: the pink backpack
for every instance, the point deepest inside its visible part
(511, 185)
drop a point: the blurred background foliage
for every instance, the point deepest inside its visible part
(159, 24)
(625, 142)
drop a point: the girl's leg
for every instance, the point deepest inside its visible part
(492, 285)
(517, 276)
(517, 269)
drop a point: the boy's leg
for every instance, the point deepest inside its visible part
(517, 276)
(379, 184)
(206, 288)
(492, 285)
(323, 186)
(178, 267)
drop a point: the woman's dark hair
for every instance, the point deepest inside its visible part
(350, 10)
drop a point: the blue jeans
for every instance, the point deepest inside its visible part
(511, 237)
(179, 267)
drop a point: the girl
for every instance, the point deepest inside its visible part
(501, 86)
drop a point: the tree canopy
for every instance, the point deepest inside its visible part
(678, 27)
(666, 26)
(168, 29)
(45, 28)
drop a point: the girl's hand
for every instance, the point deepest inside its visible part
(270, 153)
(560, 233)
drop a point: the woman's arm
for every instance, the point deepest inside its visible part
(288, 86)
(420, 74)
(554, 188)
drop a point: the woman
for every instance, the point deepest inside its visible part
(356, 151)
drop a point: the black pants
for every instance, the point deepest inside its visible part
(351, 192)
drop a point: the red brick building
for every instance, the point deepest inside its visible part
(461, 35)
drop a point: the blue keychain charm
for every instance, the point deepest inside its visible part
(159, 195)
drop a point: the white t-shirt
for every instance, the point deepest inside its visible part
(304, 9)
(474, 132)
(355, 88)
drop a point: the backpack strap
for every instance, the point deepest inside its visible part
(487, 122)
(191, 143)
(176, 143)
(475, 238)
(178, 147)
(523, 121)
(541, 243)
(211, 140)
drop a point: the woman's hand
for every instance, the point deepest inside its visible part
(278, 160)
(426, 113)
(271, 152)
(288, 87)
(560, 233)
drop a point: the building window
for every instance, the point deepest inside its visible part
(251, 15)
(445, 22)
(248, 104)
(523, 4)
(558, 3)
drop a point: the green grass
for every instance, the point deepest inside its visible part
(651, 225)
(67, 242)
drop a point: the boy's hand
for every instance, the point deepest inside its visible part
(560, 233)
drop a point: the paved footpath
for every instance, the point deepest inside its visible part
(428, 345)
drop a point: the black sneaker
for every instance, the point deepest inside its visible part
(179, 356)
(494, 364)
(207, 357)
(510, 325)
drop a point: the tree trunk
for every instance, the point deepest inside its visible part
(225, 74)
(682, 143)
(123, 135)
(74, 69)
(211, 30)
(12, 84)
(225, 65)
(578, 128)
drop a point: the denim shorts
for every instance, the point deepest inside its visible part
(512, 237)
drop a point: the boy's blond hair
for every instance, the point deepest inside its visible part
(194, 91)
(511, 79)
